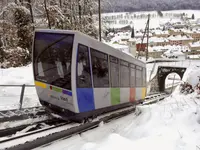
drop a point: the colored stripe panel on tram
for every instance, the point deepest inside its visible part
(132, 94)
(67, 92)
(59, 90)
(85, 98)
(143, 92)
(115, 96)
(40, 84)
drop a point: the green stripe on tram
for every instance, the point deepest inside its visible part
(57, 89)
(115, 96)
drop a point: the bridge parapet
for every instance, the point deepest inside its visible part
(157, 83)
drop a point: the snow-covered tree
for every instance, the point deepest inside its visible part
(17, 32)
(56, 18)
(160, 14)
(18, 18)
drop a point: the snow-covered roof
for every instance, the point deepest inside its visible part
(191, 31)
(140, 34)
(160, 32)
(169, 47)
(174, 53)
(153, 40)
(179, 37)
(195, 30)
(123, 35)
(132, 40)
(198, 21)
(195, 44)
(193, 56)
(111, 34)
(156, 49)
(115, 39)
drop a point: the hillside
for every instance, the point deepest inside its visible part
(143, 5)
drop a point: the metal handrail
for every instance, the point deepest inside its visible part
(12, 85)
(23, 86)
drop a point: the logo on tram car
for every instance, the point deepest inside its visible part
(59, 98)
(64, 98)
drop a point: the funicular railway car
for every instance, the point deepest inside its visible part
(78, 77)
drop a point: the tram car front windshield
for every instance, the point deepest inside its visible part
(52, 58)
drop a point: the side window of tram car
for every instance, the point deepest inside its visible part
(138, 76)
(124, 74)
(83, 68)
(132, 75)
(100, 68)
(114, 71)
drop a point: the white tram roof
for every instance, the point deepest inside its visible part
(95, 44)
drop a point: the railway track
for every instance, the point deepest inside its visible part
(16, 114)
(47, 135)
(37, 135)
(25, 127)
(154, 98)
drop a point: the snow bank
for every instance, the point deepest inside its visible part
(18, 75)
(116, 142)
(191, 75)
(172, 124)
(10, 95)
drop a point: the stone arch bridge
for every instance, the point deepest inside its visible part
(157, 84)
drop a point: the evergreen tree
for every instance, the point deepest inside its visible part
(22, 19)
(133, 33)
(193, 16)
(160, 14)
(17, 34)
(163, 28)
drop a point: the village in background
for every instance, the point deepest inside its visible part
(145, 35)
(171, 34)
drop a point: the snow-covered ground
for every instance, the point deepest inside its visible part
(10, 96)
(172, 124)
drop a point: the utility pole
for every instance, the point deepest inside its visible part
(99, 20)
(147, 50)
(141, 45)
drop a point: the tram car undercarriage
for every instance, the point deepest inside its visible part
(78, 77)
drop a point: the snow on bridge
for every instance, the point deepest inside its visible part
(152, 68)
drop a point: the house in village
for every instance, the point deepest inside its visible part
(160, 33)
(180, 39)
(194, 33)
(168, 51)
(153, 41)
(194, 47)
